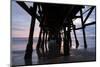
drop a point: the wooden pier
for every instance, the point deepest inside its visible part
(53, 19)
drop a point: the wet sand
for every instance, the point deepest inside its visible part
(76, 55)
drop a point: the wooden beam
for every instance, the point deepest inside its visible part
(82, 14)
(46, 42)
(29, 48)
(86, 11)
(39, 54)
(83, 29)
(86, 25)
(76, 17)
(28, 10)
(76, 40)
(88, 14)
(24, 6)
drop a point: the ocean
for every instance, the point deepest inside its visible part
(18, 46)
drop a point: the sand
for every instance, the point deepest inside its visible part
(76, 55)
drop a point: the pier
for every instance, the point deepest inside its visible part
(56, 24)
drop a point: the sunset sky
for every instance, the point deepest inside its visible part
(21, 23)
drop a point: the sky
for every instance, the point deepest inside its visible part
(21, 20)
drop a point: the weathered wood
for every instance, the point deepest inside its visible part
(42, 44)
(59, 43)
(38, 44)
(65, 45)
(66, 40)
(70, 41)
(88, 14)
(24, 6)
(28, 10)
(88, 24)
(83, 29)
(46, 42)
(76, 40)
(29, 48)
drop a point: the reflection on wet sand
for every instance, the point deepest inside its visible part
(79, 55)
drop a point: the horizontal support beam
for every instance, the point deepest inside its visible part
(86, 25)
(90, 23)
(75, 17)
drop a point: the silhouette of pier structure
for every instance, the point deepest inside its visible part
(56, 24)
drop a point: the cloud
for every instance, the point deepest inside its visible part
(21, 23)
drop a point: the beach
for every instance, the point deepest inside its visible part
(76, 55)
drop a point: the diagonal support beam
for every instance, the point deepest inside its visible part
(91, 9)
(28, 10)
(88, 14)
(24, 6)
